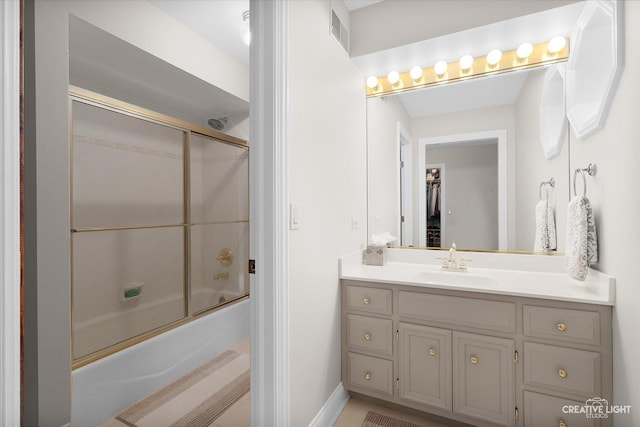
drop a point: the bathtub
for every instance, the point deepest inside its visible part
(103, 388)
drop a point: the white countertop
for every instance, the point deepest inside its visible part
(534, 276)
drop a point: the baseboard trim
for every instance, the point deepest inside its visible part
(331, 410)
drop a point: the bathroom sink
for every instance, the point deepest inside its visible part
(453, 278)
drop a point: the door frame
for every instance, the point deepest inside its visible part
(269, 201)
(10, 214)
(405, 193)
(501, 136)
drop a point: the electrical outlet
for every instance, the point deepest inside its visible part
(354, 223)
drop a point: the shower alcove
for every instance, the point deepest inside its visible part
(159, 219)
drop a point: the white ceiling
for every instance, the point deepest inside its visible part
(359, 4)
(491, 91)
(218, 21)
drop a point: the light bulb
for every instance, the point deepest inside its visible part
(466, 62)
(524, 50)
(372, 82)
(245, 30)
(393, 77)
(416, 73)
(440, 68)
(494, 57)
(556, 44)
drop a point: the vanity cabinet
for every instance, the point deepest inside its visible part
(478, 358)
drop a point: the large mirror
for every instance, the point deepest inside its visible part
(463, 162)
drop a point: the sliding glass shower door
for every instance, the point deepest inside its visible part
(159, 224)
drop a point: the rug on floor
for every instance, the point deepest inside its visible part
(374, 419)
(196, 399)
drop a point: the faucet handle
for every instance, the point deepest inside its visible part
(445, 262)
(463, 263)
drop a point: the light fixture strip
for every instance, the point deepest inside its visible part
(509, 62)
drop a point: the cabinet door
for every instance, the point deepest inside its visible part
(483, 377)
(425, 365)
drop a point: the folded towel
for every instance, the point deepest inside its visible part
(582, 242)
(545, 239)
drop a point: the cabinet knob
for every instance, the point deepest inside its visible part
(367, 376)
(367, 336)
(432, 351)
(474, 360)
(562, 373)
(562, 424)
(366, 301)
(561, 327)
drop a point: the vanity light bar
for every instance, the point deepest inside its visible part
(510, 61)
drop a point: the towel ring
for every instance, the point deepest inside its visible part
(551, 182)
(592, 169)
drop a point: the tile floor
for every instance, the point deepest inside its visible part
(356, 410)
(239, 414)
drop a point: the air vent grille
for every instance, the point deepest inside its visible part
(339, 31)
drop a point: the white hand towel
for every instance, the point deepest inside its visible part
(545, 239)
(582, 242)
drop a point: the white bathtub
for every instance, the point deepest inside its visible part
(103, 388)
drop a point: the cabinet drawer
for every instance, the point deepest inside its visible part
(543, 410)
(372, 300)
(565, 369)
(370, 373)
(493, 315)
(370, 334)
(568, 325)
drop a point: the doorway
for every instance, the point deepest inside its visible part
(468, 202)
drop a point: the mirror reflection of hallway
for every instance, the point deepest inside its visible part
(465, 211)
(435, 198)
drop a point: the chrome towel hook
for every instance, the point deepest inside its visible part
(551, 183)
(592, 169)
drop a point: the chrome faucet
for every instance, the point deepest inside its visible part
(451, 263)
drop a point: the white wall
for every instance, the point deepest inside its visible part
(328, 179)
(466, 122)
(383, 115)
(399, 22)
(532, 167)
(47, 237)
(615, 198)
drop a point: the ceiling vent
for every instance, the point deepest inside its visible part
(339, 31)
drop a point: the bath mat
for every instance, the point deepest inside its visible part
(197, 398)
(374, 419)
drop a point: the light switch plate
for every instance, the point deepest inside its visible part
(294, 216)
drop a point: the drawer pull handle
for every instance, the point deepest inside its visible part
(474, 360)
(366, 301)
(367, 376)
(562, 373)
(562, 424)
(561, 327)
(432, 351)
(367, 336)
